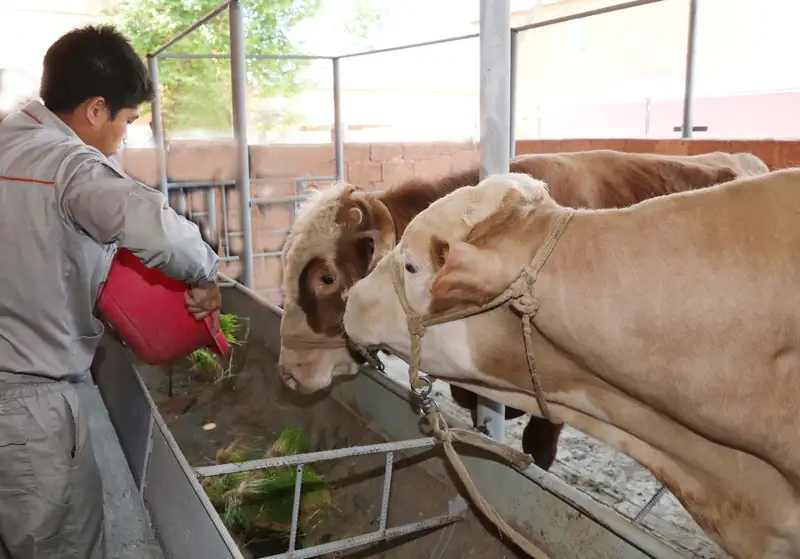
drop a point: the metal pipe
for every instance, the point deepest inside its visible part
(158, 127)
(311, 457)
(358, 541)
(412, 45)
(588, 13)
(298, 486)
(226, 236)
(211, 209)
(387, 489)
(239, 86)
(495, 115)
(182, 201)
(338, 130)
(688, 92)
(209, 56)
(512, 85)
(279, 199)
(209, 16)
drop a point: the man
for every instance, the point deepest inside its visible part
(64, 209)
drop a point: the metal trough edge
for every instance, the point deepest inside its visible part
(537, 503)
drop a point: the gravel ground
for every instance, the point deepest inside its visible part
(597, 469)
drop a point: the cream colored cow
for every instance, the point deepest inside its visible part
(669, 329)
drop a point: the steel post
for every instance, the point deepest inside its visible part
(512, 85)
(239, 90)
(338, 129)
(495, 118)
(158, 126)
(688, 92)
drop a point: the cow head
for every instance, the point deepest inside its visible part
(455, 253)
(338, 236)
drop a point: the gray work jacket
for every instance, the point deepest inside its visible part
(64, 211)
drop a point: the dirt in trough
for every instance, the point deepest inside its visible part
(255, 407)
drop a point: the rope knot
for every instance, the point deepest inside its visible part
(416, 327)
(525, 305)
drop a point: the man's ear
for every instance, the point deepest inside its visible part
(464, 273)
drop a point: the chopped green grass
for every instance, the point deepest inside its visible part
(261, 501)
(205, 362)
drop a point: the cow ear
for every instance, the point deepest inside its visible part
(382, 233)
(463, 273)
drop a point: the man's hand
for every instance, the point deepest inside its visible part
(204, 300)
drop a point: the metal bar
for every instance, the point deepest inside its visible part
(209, 16)
(211, 209)
(412, 45)
(209, 56)
(158, 127)
(298, 484)
(239, 85)
(311, 457)
(588, 13)
(196, 184)
(224, 199)
(387, 488)
(495, 115)
(512, 86)
(688, 92)
(338, 129)
(356, 541)
(279, 199)
(181, 201)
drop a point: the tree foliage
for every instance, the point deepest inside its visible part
(196, 93)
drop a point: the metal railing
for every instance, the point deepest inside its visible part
(383, 532)
(497, 138)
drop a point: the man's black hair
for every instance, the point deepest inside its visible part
(94, 61)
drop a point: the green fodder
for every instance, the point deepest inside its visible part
(259, 503)
(205, 362)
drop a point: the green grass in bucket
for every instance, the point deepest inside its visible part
(260, 502)
(209, 364)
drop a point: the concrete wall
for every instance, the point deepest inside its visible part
(275, 168)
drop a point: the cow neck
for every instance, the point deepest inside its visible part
(519, 295)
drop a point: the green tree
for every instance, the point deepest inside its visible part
(196, 93)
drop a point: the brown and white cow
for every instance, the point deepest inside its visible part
(669, 329)
(341, 233)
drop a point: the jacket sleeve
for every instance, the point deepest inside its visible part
(112, 208)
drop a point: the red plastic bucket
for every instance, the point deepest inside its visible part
(147, 308)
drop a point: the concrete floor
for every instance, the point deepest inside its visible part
(127, 526)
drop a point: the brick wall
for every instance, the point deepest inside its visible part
(274, 170)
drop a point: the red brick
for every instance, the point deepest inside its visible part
(430, 168)
(356, 153)
(363, 173)
(396, 172)
(465, 160)
(385, 152)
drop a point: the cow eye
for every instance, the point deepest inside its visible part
(327, 279)
(410, 268)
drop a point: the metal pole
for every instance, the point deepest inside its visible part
(239, 85)
(588, 13)
(338, 134)
(209, 16)
(158, 126)
(512, 85)
(211, 209)
(495, 115)
(686, 126)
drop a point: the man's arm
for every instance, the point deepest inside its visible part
(111, 208)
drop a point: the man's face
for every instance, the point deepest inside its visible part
(102, 131)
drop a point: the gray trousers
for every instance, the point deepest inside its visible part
(51, 495)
